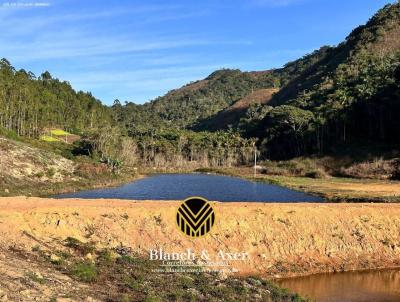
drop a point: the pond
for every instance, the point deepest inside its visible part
(362, 286)
(367, 286)
(212, 187)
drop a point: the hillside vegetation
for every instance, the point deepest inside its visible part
(29, 103)
(340, 101)
(186, 106)
(197, 104)
(230, 117)
(334, 99)
(350, 95)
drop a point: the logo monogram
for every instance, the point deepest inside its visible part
(195, 217)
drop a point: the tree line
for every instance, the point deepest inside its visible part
(116, 135)
(162, 148)
(335, 96)
(349, 95)
(29, 104)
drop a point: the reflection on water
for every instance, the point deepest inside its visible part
(212, 187)
(367, 286)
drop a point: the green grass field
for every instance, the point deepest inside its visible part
(59, 132)
(48, 138)
(55, 135)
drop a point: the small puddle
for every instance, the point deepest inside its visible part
(364, 286)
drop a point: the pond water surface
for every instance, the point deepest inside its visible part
(212, 187)
(364, 286)
(369, 286)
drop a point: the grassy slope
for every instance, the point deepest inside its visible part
(38, 168)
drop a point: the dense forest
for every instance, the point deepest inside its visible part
(167, 148)
(336, 96)
(28, 104)
(351, 94)
(186, 106)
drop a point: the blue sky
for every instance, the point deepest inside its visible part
(138, 50)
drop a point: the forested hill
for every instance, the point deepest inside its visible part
(196, 104)
(230, 117)
(351, 95)
(336, 96)
(29, 104)
(378, 39)
(183, 107)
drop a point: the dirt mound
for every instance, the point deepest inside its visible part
(21, 163)
(281, 239)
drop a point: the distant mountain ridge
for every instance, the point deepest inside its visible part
(190, 105)
(379, 37)
(341, 95)
(336, 95)
(184, 107)
(350, 95)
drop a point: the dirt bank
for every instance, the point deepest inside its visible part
(281, 239)
(343, 189)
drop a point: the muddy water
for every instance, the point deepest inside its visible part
(367, 286)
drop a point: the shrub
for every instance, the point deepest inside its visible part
(296, 167)
(81, 247)
(396, 173)
(9, 134)
(84, 271)
(35, 277)
(50, 172)
(39, 174)
(377, 168)
(106, 257)
(317, 173)
(126, 259)
(87, 170)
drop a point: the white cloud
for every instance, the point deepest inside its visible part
(139, 85)
(91, 52)
(38, 37)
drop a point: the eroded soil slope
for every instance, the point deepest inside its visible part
(281, 239)
(23, 164)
